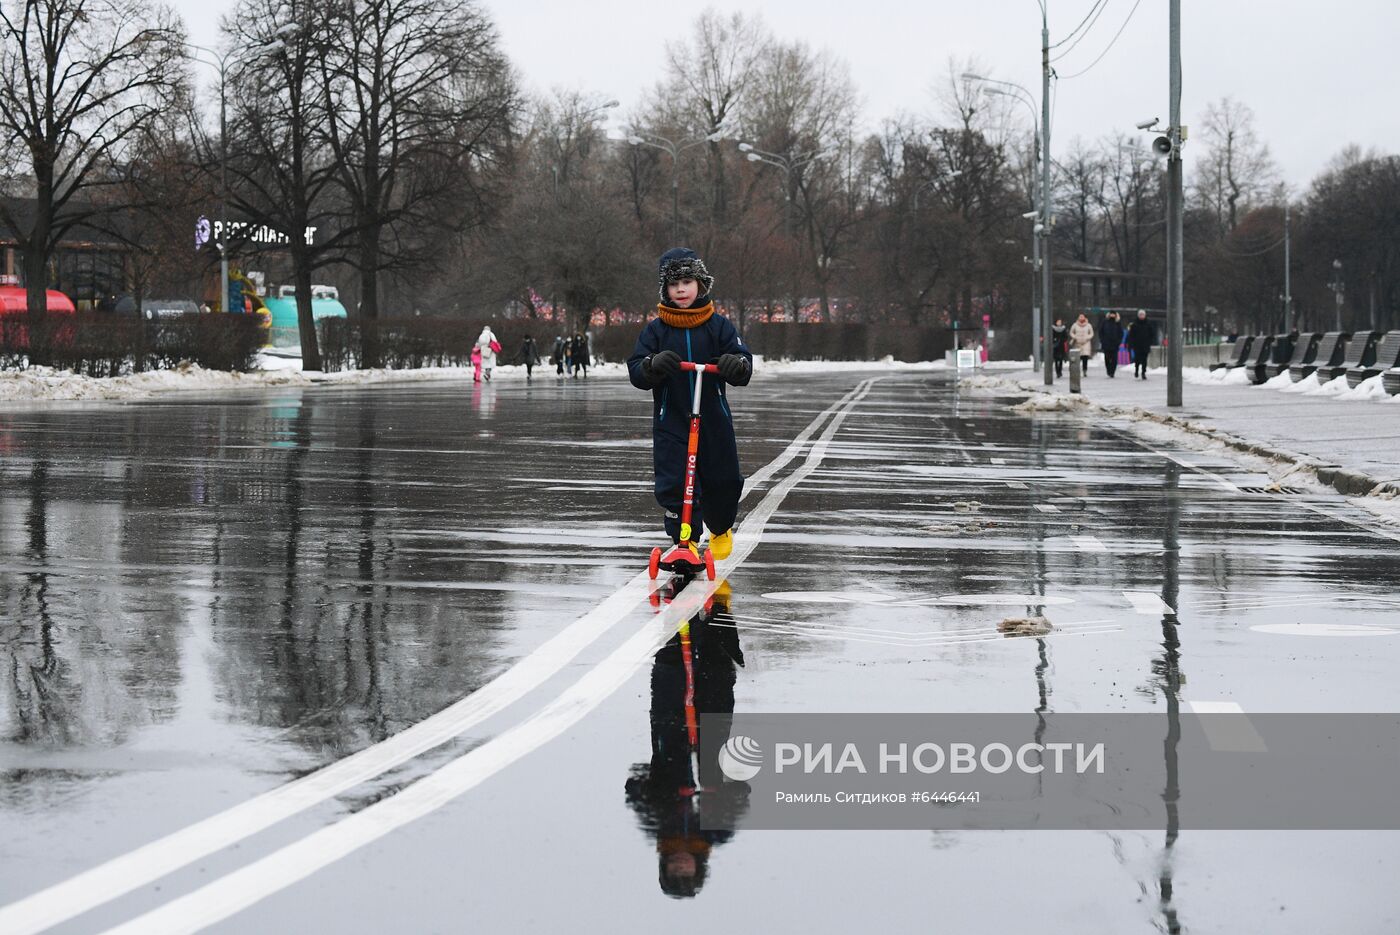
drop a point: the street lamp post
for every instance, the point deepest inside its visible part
(675, 149)
(1175, 210)
(1042, 317)
(220, 64)
(789, 165)
(1338, 290)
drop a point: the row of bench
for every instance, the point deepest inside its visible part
(1359, 356)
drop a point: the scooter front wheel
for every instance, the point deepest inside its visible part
(709, 565)
(654, 564)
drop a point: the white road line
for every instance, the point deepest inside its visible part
(121, 875)
(256, 881)
(1148, 604)
(1226, 733)
(1047, 508)
(1088, 544)
(1016, 485)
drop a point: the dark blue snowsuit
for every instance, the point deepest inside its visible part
(719, 482)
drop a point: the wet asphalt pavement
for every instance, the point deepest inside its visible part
(206, 598)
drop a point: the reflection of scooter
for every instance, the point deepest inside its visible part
(684, 557)
(693, 674)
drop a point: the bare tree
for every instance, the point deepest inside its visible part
(1236, 168)
(79, 79)
(708, 78)
(284, 169)
(420, 106)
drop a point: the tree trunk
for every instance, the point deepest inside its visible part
(306, 322)
(36, 281)
(369, 298)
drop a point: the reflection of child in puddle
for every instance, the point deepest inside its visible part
(659, 791)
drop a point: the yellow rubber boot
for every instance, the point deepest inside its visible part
(721, 545)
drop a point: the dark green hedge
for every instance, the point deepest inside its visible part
(101, 344)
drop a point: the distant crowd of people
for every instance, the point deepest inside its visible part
(1139, 337)
(571, 355)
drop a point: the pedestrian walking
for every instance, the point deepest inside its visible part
(1110, 340)
(581, 358)
(528, 356)
(1059, 341)
(688, 328)
(489, 347)
(1142, 337)
(558, 356)
(1081, 336)
(476, 363)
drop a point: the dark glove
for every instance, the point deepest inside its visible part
(733, 367)
(660, 367)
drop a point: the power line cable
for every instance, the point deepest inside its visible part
(1094, 12)
(1277, 243)
(1111, 44)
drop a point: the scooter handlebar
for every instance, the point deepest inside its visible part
(691, 365)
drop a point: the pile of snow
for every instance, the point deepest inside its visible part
(47, 383)
(283, 369)
(1045, 402)
(1372, 388)
(1237, 376)
(1305, 385)
(1279, 382)
(1198, 375)
(1335, 387)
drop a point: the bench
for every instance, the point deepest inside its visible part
(1331, 348)
(1238, 355)
(1259, 356)
(1301, 351)
(1361, 352)
(1387, 356)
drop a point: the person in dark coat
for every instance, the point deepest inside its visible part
(1142, 337)
(578, 348)
(1059, 340)
(688, 328)
(661, 791)
(528, 356)
(1110, 339)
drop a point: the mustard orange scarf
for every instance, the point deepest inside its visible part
(686, 317)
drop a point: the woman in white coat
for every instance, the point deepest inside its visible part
(1081, 339)
(489, 348)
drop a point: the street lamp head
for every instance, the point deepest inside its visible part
(635, 140)
(716, 136)
(273, 47)
(610, 105)
(745, 147)
(754, 157)
(969, 76)
(286, 29)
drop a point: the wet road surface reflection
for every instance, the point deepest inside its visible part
(205, 598)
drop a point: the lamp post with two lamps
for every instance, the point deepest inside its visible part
(789, 165)
(674, 149)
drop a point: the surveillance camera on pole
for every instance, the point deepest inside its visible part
(1148, 124)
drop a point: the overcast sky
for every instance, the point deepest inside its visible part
(1318, 75)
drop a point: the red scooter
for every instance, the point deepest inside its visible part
(684, 558)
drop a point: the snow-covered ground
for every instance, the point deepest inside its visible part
(44, 383)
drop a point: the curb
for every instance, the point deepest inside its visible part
(1347, 482)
